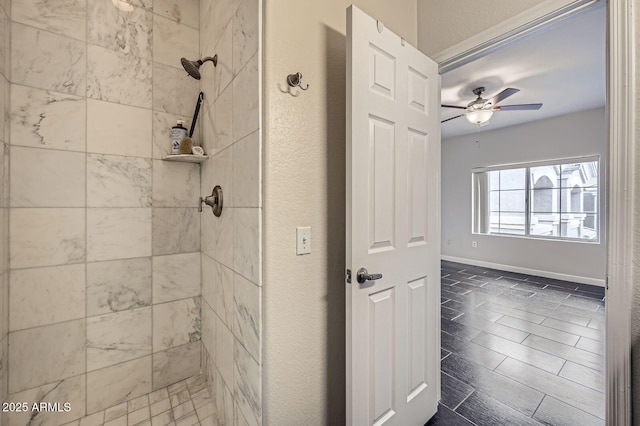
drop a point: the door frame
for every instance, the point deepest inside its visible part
(621, 121)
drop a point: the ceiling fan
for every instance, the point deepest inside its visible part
(481, 110)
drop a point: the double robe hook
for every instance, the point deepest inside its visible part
(295, 80)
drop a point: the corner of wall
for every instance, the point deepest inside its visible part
(231, 249)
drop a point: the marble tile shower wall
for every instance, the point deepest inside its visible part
(5, 66)
(105, 268)
(231, 244)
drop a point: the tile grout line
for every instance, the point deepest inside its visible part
(86, 216)
(538, 407)
(580, 384)
(565, 331)
(564, 360)
(542, 392)
(151, 182)
(465, 398)
(549, 353)
(87, 317)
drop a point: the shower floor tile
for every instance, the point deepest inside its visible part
(186, 403)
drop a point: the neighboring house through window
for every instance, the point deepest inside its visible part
(555, 199)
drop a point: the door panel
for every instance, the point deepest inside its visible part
(417, 362)
(417, 207)
(381, 308)
(382, 69)
(418, 91)
(381, 184)
(393, 161)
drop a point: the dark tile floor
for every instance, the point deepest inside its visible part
(520, 350)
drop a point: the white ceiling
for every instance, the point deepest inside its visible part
(561, 66)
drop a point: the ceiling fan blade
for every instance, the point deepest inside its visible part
(521, 107)
(449, 119)
(502, 96)
(453, 106)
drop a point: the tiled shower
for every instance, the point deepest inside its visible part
(113, 284)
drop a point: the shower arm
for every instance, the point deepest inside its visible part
(213, 59)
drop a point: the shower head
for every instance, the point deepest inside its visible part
(193, 67)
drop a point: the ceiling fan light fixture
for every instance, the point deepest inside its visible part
(479, 116)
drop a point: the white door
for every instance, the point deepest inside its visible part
(393, 163)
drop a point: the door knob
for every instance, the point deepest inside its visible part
(363, 276)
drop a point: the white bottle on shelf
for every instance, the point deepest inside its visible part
(177, 133)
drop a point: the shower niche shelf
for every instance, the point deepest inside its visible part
(186, 158)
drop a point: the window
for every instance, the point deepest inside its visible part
(547, 200)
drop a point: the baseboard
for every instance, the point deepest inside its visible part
(528, 271)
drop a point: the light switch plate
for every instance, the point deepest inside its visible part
(303, 240)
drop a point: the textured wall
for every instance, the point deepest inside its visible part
(104, 236)
(5, 66)
(567, 136)
(304, 308)
(231, 243)
(442, 24)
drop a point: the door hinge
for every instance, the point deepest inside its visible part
(349, 276)
(606, 282)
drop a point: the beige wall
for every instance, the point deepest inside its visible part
(304, 157)
(303, 295)
(442, 24)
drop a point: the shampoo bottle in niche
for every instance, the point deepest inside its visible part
(177, 133)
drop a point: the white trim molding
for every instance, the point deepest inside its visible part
(621, 128)
(528, 271)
